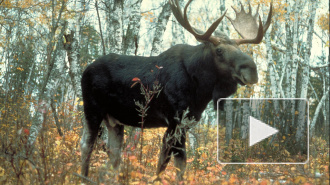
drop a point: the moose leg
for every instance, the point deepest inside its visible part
(176, 145)
(115, 140)
(165, 152)
(86, 144)
(180, 156)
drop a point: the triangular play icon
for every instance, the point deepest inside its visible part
(259, 131)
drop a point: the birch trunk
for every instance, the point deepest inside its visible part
(131, 41)
(178, 36)
(160, 29)
(42, 108)
(245, 120)
(117, 27)
(100, 26)
(239, 115)
(26, 89)
(317, 111)
(305, 76)
(288, 51)
(326, 102)
(72, 48)
(229, 120)
(288, 60)
(272, 70)
(294, 59)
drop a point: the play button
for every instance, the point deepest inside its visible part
(263, 131)
(259, 131)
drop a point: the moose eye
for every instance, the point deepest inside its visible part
(219, 52)
(243, 66)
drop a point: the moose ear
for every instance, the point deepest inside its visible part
(215, 40)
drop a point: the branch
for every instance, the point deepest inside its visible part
(318, 108)
(278, 78)
(314, 68)
(319, 67)
(57, 123)
(85, 178)
(315, 94)
(324, 42)
(153, 9)
(277, 47)
(282, 49)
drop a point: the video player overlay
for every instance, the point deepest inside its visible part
(263, 131)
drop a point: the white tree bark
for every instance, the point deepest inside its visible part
(245, 120)
(26, 89)
(274, 88)
(117, 27)
(317, 111)
(160, 29)
(42, 107)
(305, 76)
(130, 44)
(178, 36)
(229, 120)
(326, 103)
(49, 86)
(72, 48)
(100, 26)
(288, 52)
(294, 68)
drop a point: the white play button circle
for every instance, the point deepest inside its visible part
(259, 131)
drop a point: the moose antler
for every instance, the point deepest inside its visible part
(246, 25)
(183, 20)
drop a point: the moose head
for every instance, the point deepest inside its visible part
(228, 56)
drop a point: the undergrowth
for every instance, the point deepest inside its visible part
(55, 159)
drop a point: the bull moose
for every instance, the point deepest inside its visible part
(191, 77)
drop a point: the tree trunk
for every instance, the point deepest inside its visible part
(131, 41)
(160, 29)
(245, 120)
(72, 48)
(100, 26)
(42, 107)
(229, 120)
(271, 68)
(294, 68)
(117, 24)
(305, 76)
(317, 111)
(288, 51)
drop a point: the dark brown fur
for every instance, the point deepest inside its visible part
(191, 77)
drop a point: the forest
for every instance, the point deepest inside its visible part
(45, 46)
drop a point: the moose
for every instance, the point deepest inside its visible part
(191, 76)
